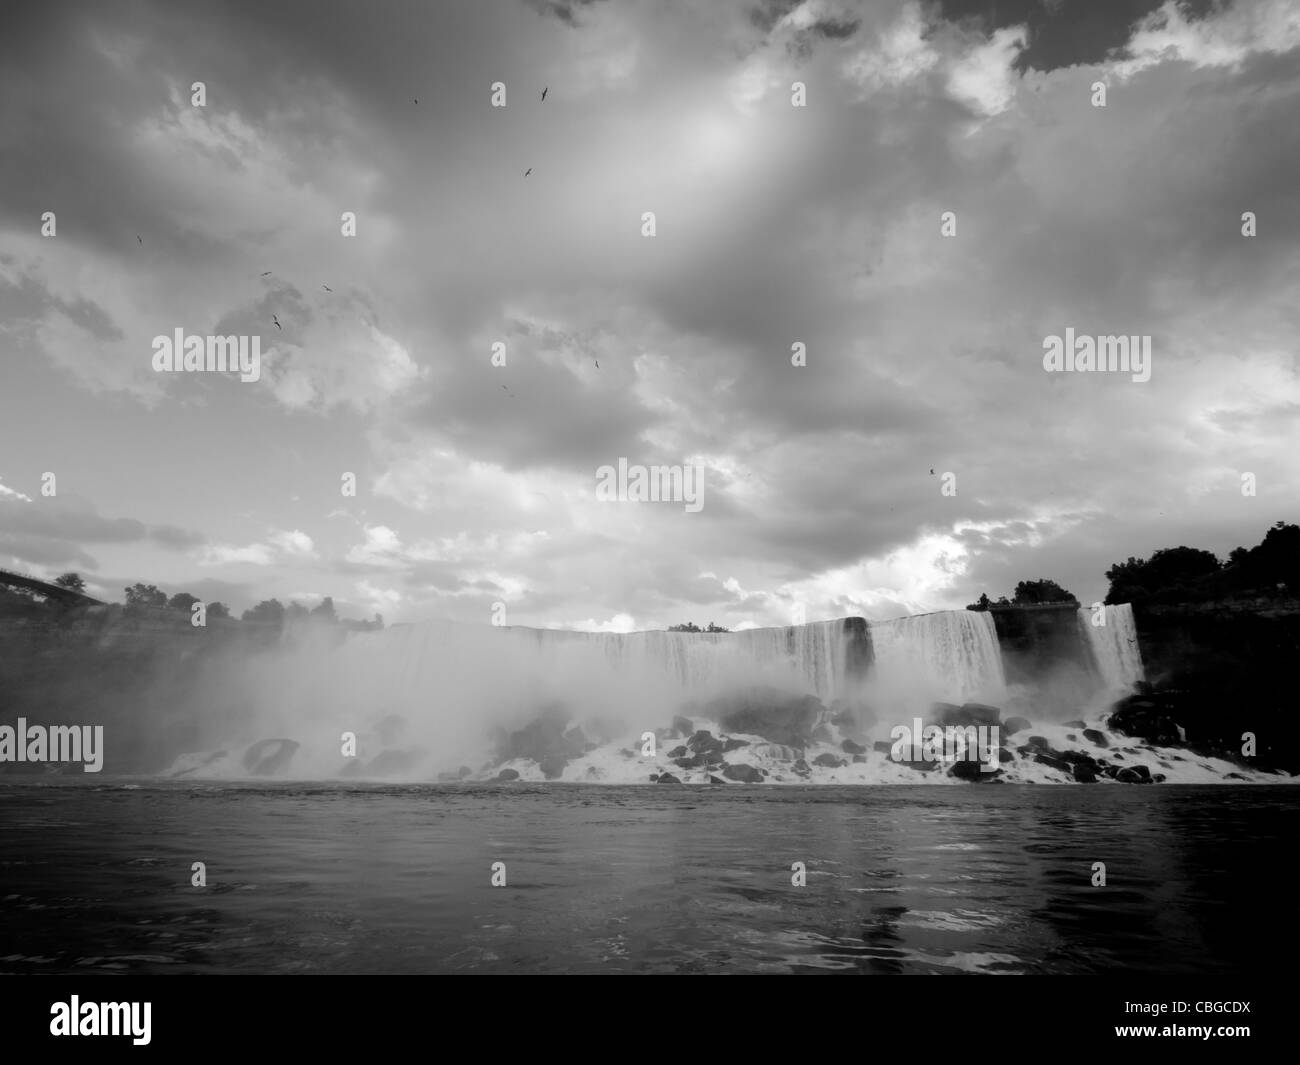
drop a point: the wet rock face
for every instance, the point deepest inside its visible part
(768, 712)
(1094, 736)
(976, 714)
(972, 771)
(746, 774)
(1143, 717)
(1012, 725)
(546, 738)
(829, 761)
(849, 747)
(267, 757)
(508, 774)
(667, 778)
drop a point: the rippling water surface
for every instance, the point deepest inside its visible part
(329, 878)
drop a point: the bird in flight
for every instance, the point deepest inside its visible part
(544, 92)
(138, 237)
(327, 288)
(597, 361)
(414, 101)
(508, 392)
(266, 273)
(931, 471)
(277, 323)
(528, 171)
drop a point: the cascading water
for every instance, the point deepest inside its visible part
(1114, 646)
(952, 656)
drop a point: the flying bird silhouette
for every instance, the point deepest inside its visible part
(138, 237)
(327, 288)
(267, 273)
(414, 101)
(277, 323)
(528, 171)
(544, 92)
(508, 392)
(597, 361)
(931, 471)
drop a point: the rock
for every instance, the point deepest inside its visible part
(1142, 717)
(683, 726)
(508, 774)
(801, 767)
(269, 756)
(715, 780)
(1077, 758)
(733, 745)
(1160, 778)
(1071, 737)
(768, 712)
(1005, 756)
(667, 778)
(968, 770)
(776, 751)
(1142, 771)
(829, 761)
(1085, 774)
(1076, 724)
(746, 774)
(970, 714)
(1131, 776)
(1054, 763)
(654, 777)
(544, 737)
(392, 763)
(849, 747)
(883, 747)
(1096, 737)
(1012, 725)
(859, 758)
(552, 767)
(705, 743)
(1226, 776)
(1039, 741)
(677, 752)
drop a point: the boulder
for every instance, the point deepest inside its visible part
(1096, 737)
(1076, 724)
(552, 766)
(393, 763)
(859, 758)
(1132, 776)
(1054, 763)
(768, 712)
(849, 747)
(269, 756)
(1012, 725)
(508, 774)
(1143, 717)
(1038, 741)
(734, 745)
(801, 767)
(972, 714)
(746, 774)
(972, 771)
(715, 780)
(683, 726)
(883, 747)
(1085, 774)
(829, 761)
(667, 778)
(678, 752)
(776, 751)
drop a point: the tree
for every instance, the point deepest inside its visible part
(71, 581)
(982, 603)
(716, 628)
(325, 610)
(295, 611)
(1169, 569)
(142, 595)
(1041, 591)
(270, 611)
(218, 610)
(183, 601)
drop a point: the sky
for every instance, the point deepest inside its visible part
(774, 225)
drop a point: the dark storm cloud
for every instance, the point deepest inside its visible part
(73, 520)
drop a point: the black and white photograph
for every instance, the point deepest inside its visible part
(649, 487)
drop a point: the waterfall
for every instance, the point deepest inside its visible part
(1114, 646)
(952, 656)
